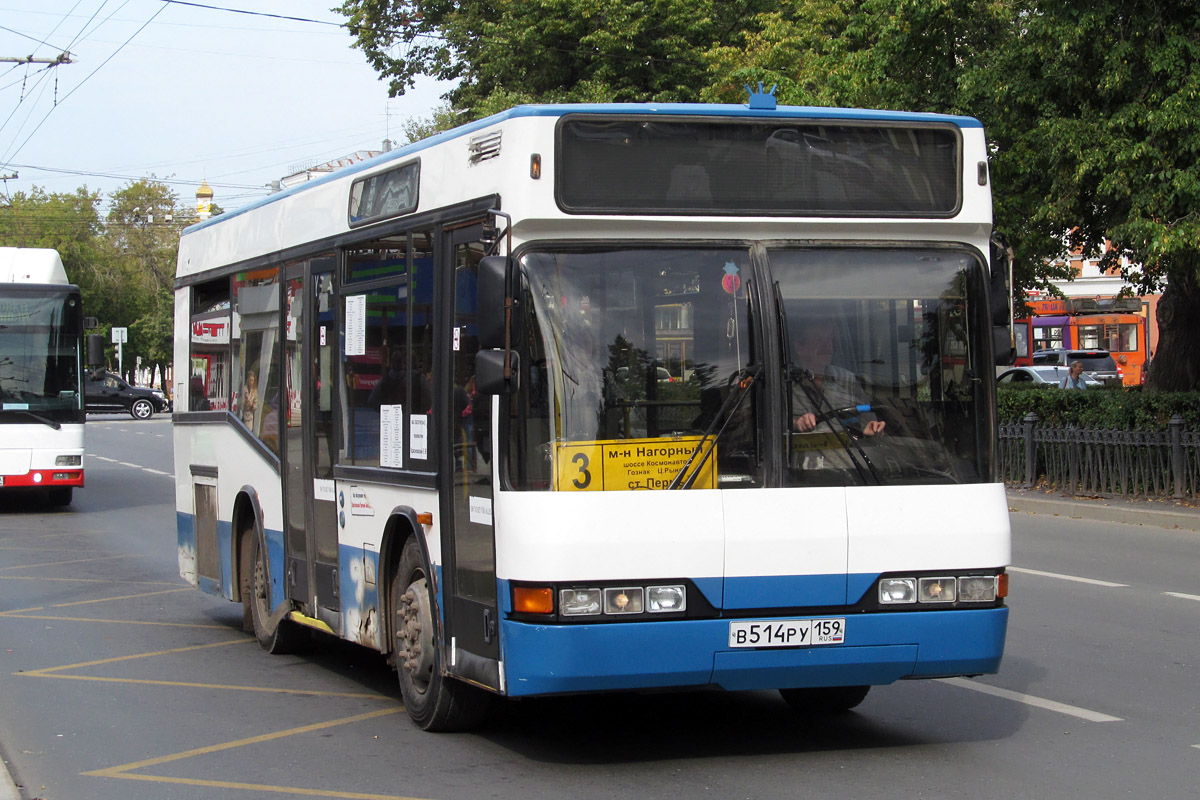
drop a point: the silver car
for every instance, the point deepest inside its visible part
(1098, 364)
(1040, 374)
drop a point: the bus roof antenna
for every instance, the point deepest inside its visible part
(761, 100)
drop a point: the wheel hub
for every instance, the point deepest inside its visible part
(414, 634)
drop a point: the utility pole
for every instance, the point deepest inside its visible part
(61, 58)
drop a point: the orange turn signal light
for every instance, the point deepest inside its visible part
(533, 599)
(1002, 585)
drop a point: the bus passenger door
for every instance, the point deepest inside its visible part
(309, 501)
(470, 571)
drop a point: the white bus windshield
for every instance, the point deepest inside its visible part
(39, 357)
(639, 346)
(632, 354)
(884, 370)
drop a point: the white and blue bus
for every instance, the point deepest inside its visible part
(583, 398)
(41, 376)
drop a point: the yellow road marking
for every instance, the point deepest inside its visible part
(44, 549)
(135, 656)
(122, 597)
(21, 615)
(88, 580)
(54, 672)
(125, 770)
(232, 687)
(61, 563)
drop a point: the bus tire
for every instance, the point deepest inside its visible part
(60, 496)
(285, 636)
(434, 701)
(825, 699)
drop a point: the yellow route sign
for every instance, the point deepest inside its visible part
(624, 464)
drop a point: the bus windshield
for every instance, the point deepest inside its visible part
(887, 379)
(637, 357)
(637, 346)
(39, 357)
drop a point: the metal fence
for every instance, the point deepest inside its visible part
(1102, 462)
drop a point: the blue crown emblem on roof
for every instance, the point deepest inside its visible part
(760, 99)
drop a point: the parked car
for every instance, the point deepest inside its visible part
(104, 391)
(1099, 364)
(1041, 374)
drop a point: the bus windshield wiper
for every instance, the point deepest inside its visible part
(744, 379)
(827, 413)
(44, 420)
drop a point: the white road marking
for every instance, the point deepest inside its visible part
(129, 464)
(1030, 700)
(1060, 576)
(1183, 596)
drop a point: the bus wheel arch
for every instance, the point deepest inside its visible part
(275, 633)
(245, 525)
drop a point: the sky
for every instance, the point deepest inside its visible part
(185, 93)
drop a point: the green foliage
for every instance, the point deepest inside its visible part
(1089, 107)
(443, 118)
(506, 52)
(124, 264)
(1104, 409)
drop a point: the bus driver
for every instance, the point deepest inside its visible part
(824, 387)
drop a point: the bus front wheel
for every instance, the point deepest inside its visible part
(825, 699)
(434, 702)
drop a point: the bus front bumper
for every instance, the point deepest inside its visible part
(879, 648)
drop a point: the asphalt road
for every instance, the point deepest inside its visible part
(118, 681)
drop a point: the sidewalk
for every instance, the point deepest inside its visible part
(1150, 513)
(8, 789)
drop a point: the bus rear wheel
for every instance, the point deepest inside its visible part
(825, 699)
(434, 701)
(284, 637)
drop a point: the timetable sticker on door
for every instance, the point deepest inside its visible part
(629, 464)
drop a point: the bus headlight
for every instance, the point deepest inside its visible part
(935, 590)
(897, 590)
(68, 461)
(981, 589)
(663, 599)
(623, 600)
(579, 602)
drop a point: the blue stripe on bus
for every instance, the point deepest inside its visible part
(780, 591)
(223, 585)
(880, 649)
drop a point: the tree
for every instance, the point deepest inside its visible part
(506, 52)
(1088, 105)
(71, 224)
(443, 118)
(143, 228)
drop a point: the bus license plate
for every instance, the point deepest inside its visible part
(786, 632)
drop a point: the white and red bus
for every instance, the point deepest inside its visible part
(41, 375)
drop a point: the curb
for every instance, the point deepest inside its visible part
(8, 787)
(1105, 511)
